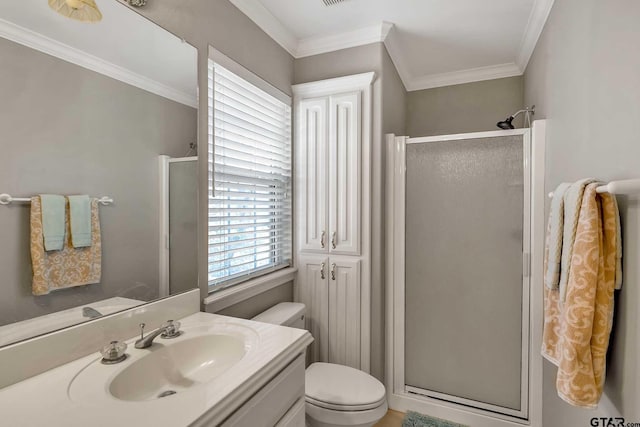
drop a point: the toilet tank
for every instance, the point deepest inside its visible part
(285, 314)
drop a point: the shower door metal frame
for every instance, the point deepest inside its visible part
(403, 397)
(164, 249)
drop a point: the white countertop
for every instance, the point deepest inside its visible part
(45, 399)
(30, 328)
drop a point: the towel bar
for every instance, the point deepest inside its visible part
(627, 186)
(6, 199)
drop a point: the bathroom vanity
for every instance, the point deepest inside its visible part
(220, 371)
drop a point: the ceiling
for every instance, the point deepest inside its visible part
(124, 46)
(432, 42)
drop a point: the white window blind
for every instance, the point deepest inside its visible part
(250, 175)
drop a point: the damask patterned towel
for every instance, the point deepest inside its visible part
(576, 333)
(70, 266)
(618, 249)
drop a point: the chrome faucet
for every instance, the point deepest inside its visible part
(91, 313)
(168, 330)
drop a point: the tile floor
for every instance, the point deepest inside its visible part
(392, 419)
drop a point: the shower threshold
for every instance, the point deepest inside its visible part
(515, 414)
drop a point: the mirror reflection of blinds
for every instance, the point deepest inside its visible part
(250, 187)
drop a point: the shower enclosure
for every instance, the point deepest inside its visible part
(459, 226)
(178, 224)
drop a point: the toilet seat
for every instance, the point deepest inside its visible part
(336, 407)
(345, 418)
(342, 388)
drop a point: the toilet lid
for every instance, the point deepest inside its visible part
(340, 387)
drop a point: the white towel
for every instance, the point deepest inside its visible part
(554, 237)
(572, 202)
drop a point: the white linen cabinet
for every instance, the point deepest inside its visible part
(332, 150)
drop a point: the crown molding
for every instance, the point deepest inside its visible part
(75, 56)
(264, 19)
(464, 76)
(537, 19)
(384, 32)
(430, 81)
(316, 45)
(309, 46)
(334, 85)
(394, 49)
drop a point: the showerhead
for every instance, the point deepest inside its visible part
(507, 123)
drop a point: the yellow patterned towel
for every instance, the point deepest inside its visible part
(70, 266)
(576, 333)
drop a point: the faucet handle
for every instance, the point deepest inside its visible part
(114, 352)
(171, 329)
(142, 325)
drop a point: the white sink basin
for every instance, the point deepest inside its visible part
(170, 366)
(170, 369)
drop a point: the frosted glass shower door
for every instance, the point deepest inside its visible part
(465, 219)
(183, 225)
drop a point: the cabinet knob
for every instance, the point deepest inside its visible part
(322, 270)
(333, 271)
(322, 236)
(333, 240)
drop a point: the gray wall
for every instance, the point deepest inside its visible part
(388, 116)
(220, 24)
(68, 130)
(394, 98)
(255, 305)
(340, 63)
(584, 77)
(470, 107)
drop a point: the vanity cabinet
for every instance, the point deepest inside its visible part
(333, 181)
(331, 288)
(278, 403)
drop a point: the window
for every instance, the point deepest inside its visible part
(249, 177)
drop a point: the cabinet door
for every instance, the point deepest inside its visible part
(345, 173)
(311, 152)
(312, 281)
(344, 312)
(273, 401)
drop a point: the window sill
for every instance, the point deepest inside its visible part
(220, 300)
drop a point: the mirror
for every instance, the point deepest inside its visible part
(88, 108)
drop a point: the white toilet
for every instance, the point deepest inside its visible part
(335, 395)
